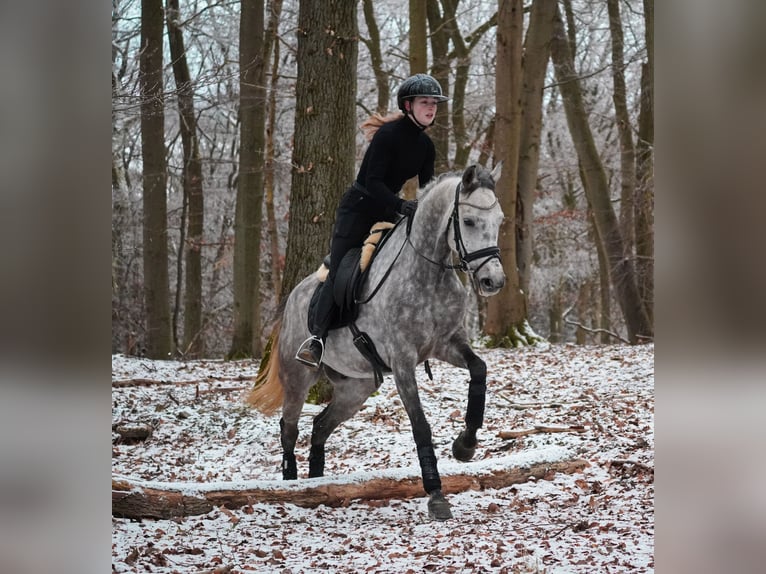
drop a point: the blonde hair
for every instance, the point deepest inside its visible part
(373, 123)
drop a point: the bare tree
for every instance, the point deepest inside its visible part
(418, 55)
(323, 159)
(376, 57)
(644, 204)
(534, 66)
(193, 342)
(440, 70)
(506, 311)
(246, 341)
(621, 268)
(272, 44)
(156, 279)
(624, 129)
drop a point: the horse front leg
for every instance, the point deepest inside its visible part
(438, 507)
(464, 446)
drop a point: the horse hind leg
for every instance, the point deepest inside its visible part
(348, 397)
(298, 380)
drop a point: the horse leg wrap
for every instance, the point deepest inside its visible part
(316, 461)
(427, 458)
(474, 414)
(289, 467)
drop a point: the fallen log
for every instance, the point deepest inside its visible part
(134, 499)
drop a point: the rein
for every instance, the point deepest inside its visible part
(465, 257)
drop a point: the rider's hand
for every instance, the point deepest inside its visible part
(409, 207)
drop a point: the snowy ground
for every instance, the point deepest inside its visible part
(597, 520)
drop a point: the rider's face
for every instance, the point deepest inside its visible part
(423, 108)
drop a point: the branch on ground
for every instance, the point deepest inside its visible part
(132, 500)
(539, 429)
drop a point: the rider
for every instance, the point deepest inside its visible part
(399, 150)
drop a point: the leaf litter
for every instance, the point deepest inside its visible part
(597, 520)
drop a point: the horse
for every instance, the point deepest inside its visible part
(408, 308)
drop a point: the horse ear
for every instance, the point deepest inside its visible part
(497, 171)
(469, 176)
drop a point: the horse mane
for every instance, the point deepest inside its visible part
(482, 177)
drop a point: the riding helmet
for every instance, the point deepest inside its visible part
(419, 85)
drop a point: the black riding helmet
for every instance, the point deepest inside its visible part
(419, 85)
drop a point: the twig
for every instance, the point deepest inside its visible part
(150, 382)
(539, 429)
(221, 570)
(552, 404)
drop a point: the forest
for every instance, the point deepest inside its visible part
(235, 130)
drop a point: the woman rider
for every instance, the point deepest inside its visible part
(399, 150)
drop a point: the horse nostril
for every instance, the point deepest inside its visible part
(487, 283)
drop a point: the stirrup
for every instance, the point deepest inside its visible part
(306, 347)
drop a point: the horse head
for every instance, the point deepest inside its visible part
(476, 220)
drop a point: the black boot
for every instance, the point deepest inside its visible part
(310, 352)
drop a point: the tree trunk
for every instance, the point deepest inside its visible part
(624, 130)
(272, 43)
(645, 172)
(132, 500)
(621, 268)
(246, 341)
(418, 59)
(462, 66)
(418, 38)
(440, 70)
(155, 236)
(506, 311)
(323, 160)
(376, 58)
(534, 66)
(193, 343)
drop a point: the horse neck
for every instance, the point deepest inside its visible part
(429, 229)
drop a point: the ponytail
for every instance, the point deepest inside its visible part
(373, 123)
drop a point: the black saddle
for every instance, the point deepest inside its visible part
(348, 279)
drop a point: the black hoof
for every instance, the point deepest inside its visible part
(438, 507)
(461, 451)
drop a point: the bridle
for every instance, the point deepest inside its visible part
(465, 256)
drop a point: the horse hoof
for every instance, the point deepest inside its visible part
(438, 507)
(460, 451)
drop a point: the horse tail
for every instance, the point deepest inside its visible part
(267, 393)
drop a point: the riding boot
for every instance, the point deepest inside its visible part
(311, 350)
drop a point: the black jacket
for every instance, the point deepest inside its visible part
(398, 151)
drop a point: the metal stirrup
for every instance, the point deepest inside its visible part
(304, 344)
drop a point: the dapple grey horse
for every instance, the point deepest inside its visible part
(415, 314)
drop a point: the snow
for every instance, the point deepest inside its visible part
(598, 520)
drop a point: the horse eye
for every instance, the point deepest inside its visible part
(469, 222)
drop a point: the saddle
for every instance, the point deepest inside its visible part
(349, 280)
(351, 275)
